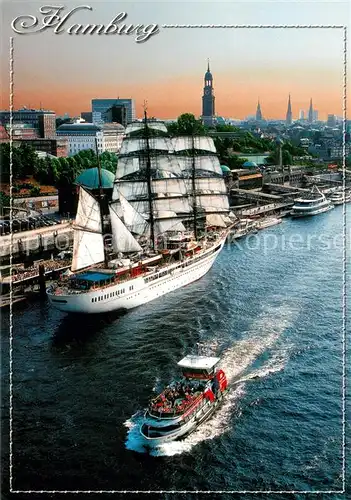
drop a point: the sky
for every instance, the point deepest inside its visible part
(64, 72)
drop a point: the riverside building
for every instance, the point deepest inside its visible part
(82, 136)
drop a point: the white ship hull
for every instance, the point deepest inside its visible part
(200, 415)
(316, 211)
(140, 290)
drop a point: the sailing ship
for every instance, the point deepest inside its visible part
(169, 218)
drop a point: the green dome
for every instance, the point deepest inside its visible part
(225, 168)
(90, 178)
(249, 164)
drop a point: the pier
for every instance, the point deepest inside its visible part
(265, 209)
(255, 196)
(36, 240)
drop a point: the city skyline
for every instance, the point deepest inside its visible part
(66, 72)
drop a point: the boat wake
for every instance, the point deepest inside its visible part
(238, 363)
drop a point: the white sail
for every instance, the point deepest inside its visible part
(133, 220)
(88, 249)
(88, 212)
(200, 143)
(155, 125)
(168, 225)
(133, 190)
(209, 185)
(88, 244)
(165, 166)
(133, 144)
(206, 163)
(213, 203)
(123, 241)
(177, 205)
(216, 220)
(126, 166)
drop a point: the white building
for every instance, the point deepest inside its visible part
(112, 135)
(81, 136)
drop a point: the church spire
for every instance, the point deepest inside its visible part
(208, 99)
(288, 120)
(310, 112)
(258, 111)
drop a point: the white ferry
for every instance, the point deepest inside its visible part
(312, 203)
(186, 403)
(340, 197)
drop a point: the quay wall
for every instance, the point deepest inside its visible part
(58, 237)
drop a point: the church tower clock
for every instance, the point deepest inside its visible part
(208, 99)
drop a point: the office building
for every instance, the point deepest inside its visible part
(102, 109)
(41, 120)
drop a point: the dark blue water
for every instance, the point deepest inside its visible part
(271, 307)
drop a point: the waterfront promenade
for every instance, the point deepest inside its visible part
(36, 240)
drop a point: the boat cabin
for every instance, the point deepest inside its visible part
(198, 367)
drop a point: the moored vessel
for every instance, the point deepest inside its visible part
(185, 403)
(312, 203)
(339, 197)
(243, 227)
(169, 218)
(268, 222)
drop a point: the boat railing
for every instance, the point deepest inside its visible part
(166, 412)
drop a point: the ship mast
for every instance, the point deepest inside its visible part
(193, 183)
(101, 194)
(148, 179)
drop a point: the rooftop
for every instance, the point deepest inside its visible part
(93, 276)
(89, 178)
(198, 362)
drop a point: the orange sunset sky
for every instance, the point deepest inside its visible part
(64, 72)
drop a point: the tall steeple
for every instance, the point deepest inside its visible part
(288, 120)
(310, 112)
(258, 111)
(208, 99)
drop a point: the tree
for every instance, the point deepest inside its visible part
(4, 202)
(187, 124)
(35, 191)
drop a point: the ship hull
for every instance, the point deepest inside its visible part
(199, 416)
(106, 300)
(297, 214)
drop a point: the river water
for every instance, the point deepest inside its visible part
(271, 308)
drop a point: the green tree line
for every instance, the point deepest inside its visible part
(50, 171)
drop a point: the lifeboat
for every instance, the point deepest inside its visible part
(185, 403)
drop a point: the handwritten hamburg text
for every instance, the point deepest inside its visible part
(53, 17)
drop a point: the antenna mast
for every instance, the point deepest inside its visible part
(148, 179)
(101, 195)
(193, 182)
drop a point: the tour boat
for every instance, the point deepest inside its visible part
(169, 218)
(312, 203)
(268, 222)
(244, 227)
(185, 403)
(339, 197)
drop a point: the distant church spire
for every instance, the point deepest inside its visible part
(310, 112)
(288, 120)
(258, 111)
(208, 99)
